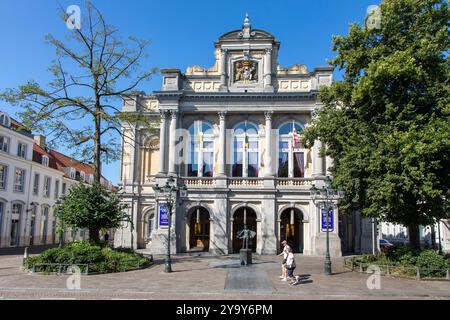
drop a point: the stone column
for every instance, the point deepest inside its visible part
(162, 143)
(268, 156)
(172, 142)
(318, 166)
(222, 144)
(268, 68)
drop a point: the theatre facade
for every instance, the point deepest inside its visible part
(231, 134)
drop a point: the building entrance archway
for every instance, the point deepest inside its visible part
(291, 229)
(199, 226)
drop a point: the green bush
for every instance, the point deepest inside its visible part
(431, 264)
(100, 259)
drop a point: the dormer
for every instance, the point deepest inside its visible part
(5, 120)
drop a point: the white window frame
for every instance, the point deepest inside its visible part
(45, 213)
(290, 139)
(4, 183)
(4, 144)
(36, 183)
(22, 150)
(240, 138)
(23, 176)
(45, 161)
(72, 173)
(15, 216)
(205, 137)
(56, 191)
(5, 120)
(83, 176)
(47, 187)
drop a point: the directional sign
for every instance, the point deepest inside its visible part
(330, 220)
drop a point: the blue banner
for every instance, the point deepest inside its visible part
(164, 215)
(330, 220)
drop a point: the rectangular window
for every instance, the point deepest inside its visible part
(208, 164)
(193, 165)
(45, 161)
(22, 150)
(299, 165)
(19, 180)
(4, 144)
(283, 164)
(237, 159)
(36, 184)
(44, 218)
(63, 189)
(56, 189)
(3, 176)
(47, 184)
(253, 164)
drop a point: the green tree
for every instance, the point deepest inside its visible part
(92, 207)
(93, 68)
(387, 123)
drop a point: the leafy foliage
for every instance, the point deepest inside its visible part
(387, 124)
(100, 259)
(92, 207)
(92, 71)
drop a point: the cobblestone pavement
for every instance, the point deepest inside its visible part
(212, 277)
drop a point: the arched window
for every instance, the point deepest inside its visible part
(44, 221)
(16, 213)
(200, 150)
(291, 153)
(245, 150)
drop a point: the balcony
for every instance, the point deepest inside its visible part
(237, 183)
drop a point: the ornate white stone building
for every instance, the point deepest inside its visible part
(230, 133)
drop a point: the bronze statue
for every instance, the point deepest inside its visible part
(246, 234)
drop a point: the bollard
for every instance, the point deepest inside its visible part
(360, 267)
(25, 255)
(417, 273)
(447, 275)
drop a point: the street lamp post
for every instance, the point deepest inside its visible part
(324, 197)
(169, 192)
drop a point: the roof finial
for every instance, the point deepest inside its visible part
(246, 20)
(246, 27)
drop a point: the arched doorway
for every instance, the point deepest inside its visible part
(291, 229)
(199, 230)
(244, 216)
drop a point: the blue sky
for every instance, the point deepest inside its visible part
(182, 33)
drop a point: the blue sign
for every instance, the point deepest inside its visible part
(164, 215)
(330, 220)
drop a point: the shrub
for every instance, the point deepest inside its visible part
(100, 259)
(431, 264)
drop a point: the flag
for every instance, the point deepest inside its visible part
(295, 136)
(246, 142)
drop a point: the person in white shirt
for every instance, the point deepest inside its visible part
(290, 267)
(284, 253)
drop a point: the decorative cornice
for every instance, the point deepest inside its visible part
(251, 95)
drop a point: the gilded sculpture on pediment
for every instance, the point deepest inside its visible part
(245, 71)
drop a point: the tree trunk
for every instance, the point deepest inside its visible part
(414, 237)
(94, 236)
(97, 150)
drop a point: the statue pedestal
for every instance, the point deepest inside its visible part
(245, 256)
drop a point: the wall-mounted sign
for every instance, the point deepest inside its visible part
(330, 220)
(164, 215)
